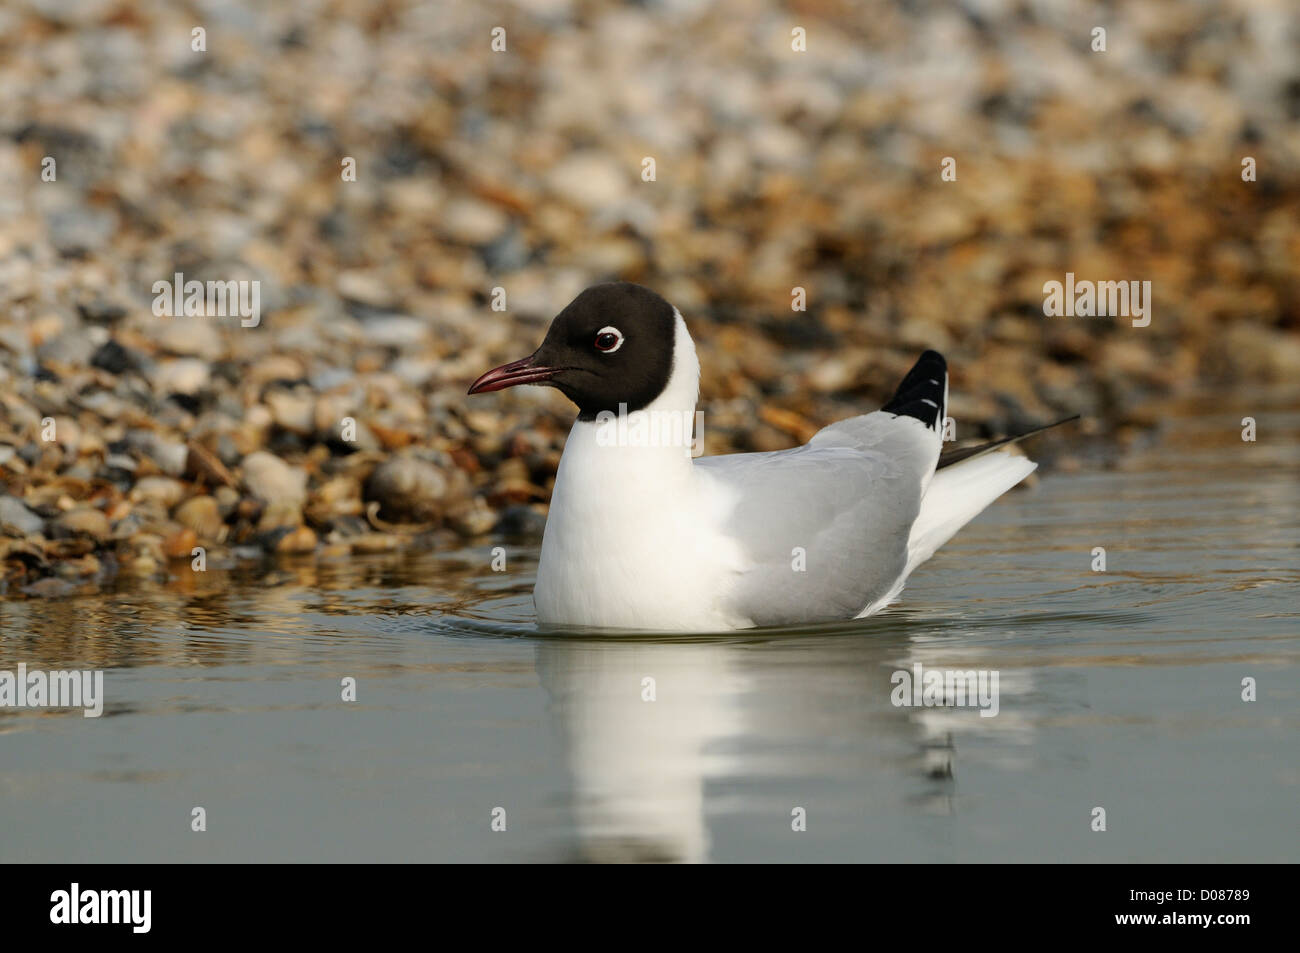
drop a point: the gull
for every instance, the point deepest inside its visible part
(643, 535)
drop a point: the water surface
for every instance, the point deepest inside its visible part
(1119, 689)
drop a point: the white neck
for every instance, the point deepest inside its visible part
(655, 440)
(631, 538)
(683, 388)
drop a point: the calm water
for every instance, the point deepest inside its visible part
(1119, 689)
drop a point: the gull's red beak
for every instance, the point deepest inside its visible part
(526, 371)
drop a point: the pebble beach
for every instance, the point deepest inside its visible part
(413, 206)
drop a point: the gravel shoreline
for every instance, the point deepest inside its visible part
(337, 424)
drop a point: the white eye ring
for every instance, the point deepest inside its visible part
(609, 329)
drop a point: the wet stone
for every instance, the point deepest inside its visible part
(82, 522)
(17, 519)
(407, 489)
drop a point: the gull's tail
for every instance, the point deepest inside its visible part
(967, 480)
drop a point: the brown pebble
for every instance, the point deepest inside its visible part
(408, 489)
(82, 522)
(69, 548)
(50, 588)
(473, 518)
(300, 540)
(163, 489)
(79, 568)
(201, 514)
(227, 499)
(180, 545)
(375, 543)
(144, 565)
(277, 515)
(201, 462)
(392, 439)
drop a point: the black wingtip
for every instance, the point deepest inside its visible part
(923, 392)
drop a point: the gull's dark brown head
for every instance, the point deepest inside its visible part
(612, 345)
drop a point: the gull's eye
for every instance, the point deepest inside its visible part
(609, 340)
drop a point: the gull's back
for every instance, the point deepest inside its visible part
(824, 528)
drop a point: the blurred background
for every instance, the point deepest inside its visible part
(521, 169)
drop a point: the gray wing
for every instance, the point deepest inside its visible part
(846, 501)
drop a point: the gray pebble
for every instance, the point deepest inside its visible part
(17, 519)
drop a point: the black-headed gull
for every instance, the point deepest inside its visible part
(642, 535)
